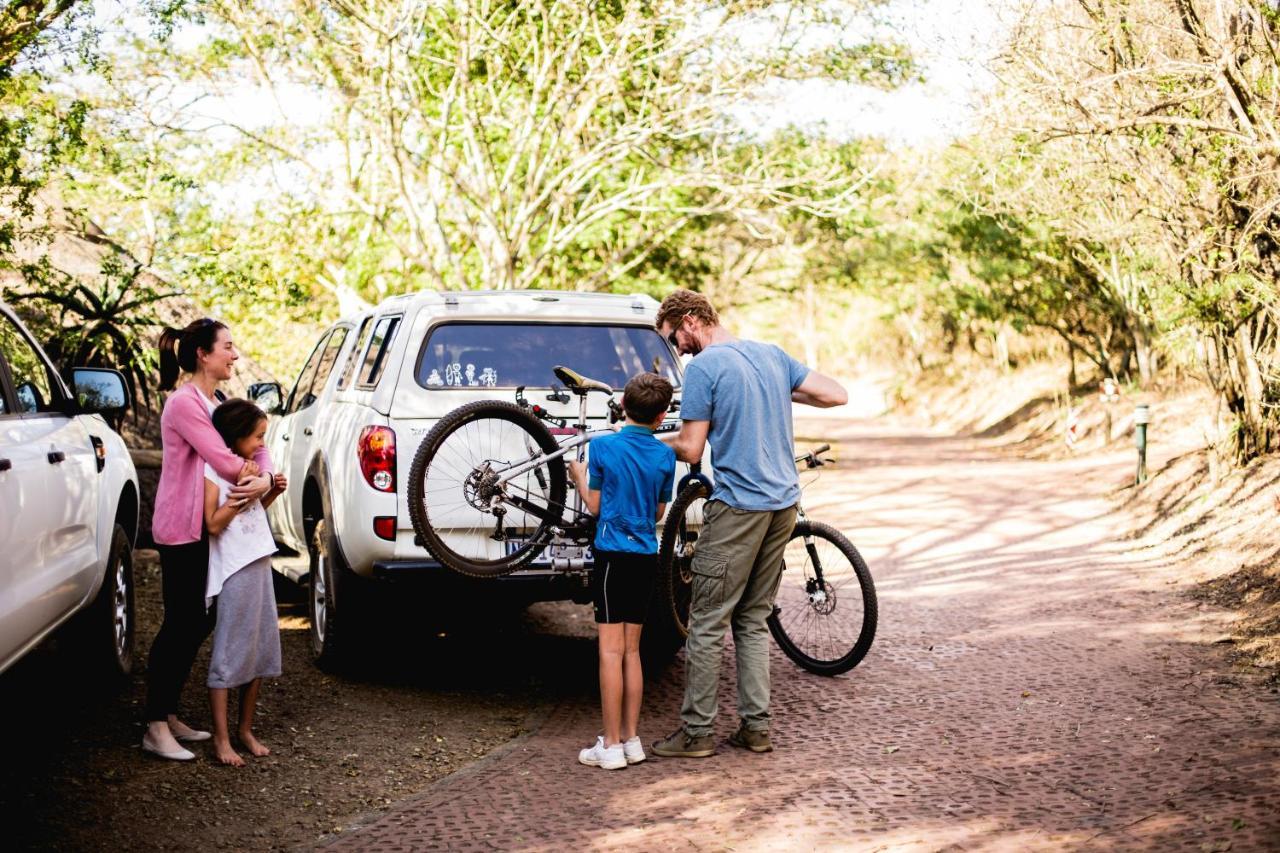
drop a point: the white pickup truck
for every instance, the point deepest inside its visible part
(376, 383)
(68, 506)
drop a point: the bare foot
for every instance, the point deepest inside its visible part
(225, 754)
(251, 743)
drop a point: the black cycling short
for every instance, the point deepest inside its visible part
(622, 585)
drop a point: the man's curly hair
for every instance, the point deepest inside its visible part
(685, 302)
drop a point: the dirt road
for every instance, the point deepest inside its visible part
(1033, 686)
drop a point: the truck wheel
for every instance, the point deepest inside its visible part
(106, 628)
(332, 629)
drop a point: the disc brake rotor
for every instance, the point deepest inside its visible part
(481, 486)
(822, 598)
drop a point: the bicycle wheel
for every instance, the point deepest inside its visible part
(465, 517)
(674, 588)
(824, 617)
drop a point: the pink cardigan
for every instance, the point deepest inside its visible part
(188, 440)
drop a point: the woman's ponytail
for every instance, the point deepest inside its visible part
(179, 348)
(168, 345)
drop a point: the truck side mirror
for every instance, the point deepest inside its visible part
(99, 391)
(268, 396)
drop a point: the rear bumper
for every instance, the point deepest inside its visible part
(529, 584)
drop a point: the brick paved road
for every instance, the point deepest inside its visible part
(1031, 687)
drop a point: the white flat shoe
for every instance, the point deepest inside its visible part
(195, 737)
(172, 755)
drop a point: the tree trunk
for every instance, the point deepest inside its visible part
(1002, 349)
(1144, 352)
(810, 322)
(1249, 391)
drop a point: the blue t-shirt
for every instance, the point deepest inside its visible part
(634, 472)
(744, 389)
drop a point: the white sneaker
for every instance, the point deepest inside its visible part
(634, 750)
(604, 757)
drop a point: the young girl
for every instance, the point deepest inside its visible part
(246, 638)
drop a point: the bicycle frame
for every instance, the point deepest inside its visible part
(580, 440)
(582, 437)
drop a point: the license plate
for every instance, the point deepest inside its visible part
(553, 552)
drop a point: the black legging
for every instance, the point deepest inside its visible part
(183, 570)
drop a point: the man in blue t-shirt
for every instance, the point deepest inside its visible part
(626, 485)
(737, 398)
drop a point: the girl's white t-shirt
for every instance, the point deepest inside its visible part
(246, 539)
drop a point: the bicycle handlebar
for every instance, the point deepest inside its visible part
(811, 459)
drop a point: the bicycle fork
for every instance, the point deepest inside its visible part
(815, 588)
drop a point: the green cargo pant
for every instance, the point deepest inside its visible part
(736, 570)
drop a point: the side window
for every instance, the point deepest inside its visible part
(33, 388)
(327, 360)
(375, 359)
(354, 357)
(303, 386)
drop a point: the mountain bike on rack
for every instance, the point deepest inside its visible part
(824, 616)
(488, 494)
(488, 486)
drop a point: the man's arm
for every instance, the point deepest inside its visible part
(821, 391)
(691, 441)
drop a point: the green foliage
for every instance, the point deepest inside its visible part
(1120, 203)
(102, 323)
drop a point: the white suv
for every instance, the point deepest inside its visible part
(376, 383)
(68, 506)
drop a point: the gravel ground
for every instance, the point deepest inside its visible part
(344, 747)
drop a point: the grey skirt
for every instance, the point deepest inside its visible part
(246, 639)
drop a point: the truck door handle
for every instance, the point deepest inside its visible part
(284, 437)
(5, 464)
(56, 456)
(307, 431)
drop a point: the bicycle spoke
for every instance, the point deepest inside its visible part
(822, 619)
(463, 520)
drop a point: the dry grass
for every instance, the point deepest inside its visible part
(1221, 534)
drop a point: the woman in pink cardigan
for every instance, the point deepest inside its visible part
(205, 350)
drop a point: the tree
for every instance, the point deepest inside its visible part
(556, 143)
(37, 130)
(1170, 132)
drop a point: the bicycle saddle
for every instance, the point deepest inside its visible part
(577, 383)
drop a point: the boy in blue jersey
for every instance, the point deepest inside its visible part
(626, 485)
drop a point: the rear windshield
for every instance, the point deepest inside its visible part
(506, 355)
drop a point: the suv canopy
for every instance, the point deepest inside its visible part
(510, 354)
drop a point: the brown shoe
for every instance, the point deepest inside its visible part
(756, 741)
(681, 744)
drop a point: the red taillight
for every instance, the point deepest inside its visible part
(377, 452)
(385, 527)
